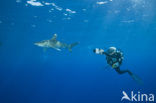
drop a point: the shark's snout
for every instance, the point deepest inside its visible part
(35, 43)
(38, 44)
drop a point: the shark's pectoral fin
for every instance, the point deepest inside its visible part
(44, 49)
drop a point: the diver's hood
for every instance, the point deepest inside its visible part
(111, 50)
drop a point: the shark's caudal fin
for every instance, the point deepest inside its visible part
(72, 45)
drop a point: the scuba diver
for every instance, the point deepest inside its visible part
(114, 58)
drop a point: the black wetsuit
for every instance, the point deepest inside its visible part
(116, 58)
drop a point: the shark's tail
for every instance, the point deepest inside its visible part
(72, 45)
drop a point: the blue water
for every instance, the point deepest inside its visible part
(28, 74)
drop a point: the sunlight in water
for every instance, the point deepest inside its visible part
(138, 2)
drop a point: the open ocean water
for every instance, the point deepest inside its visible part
(30, 74)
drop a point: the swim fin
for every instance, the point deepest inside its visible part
(137, 79)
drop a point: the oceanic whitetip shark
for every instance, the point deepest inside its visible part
(55, 44)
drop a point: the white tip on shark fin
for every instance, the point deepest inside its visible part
(58, 49)
(54, 37)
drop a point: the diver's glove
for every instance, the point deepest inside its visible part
(98, 51)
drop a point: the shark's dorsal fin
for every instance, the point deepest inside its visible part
(54, 37)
